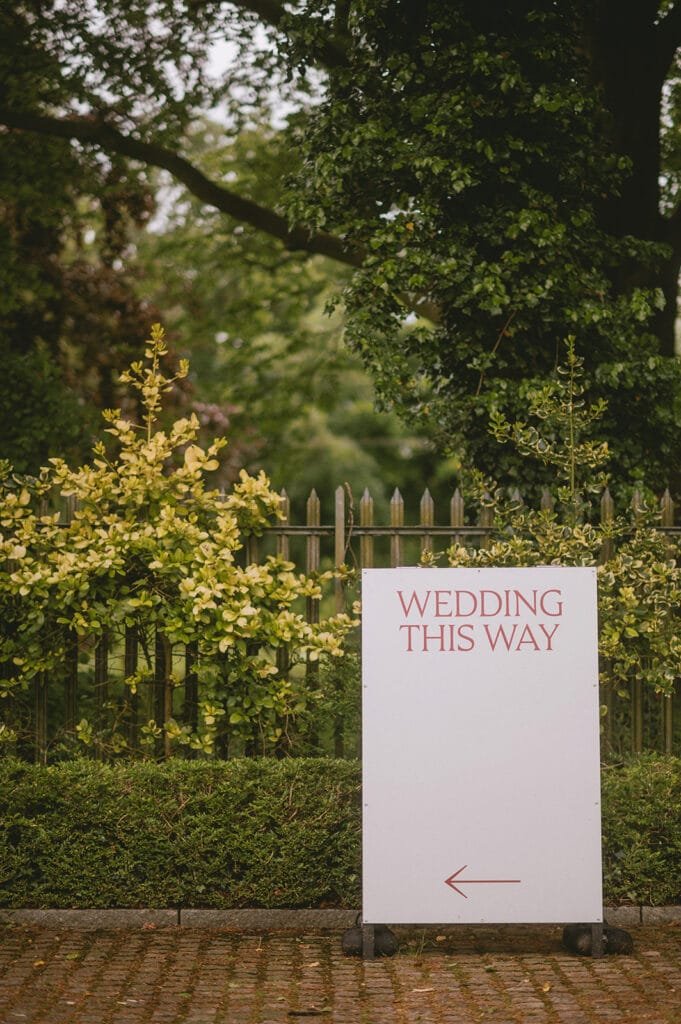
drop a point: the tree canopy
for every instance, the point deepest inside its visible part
(496, 177)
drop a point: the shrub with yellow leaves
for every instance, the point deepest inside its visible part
(639, 585)
(151, 545)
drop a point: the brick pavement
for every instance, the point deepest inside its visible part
(504, 975)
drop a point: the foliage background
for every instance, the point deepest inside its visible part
(514, 173)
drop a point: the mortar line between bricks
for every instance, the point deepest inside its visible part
(653, 968)
(260, 979)
(491, 961)
(529, 988)
(667, 970)
(48, 951)
(194, 974)
(399, 992)
(79, 968)
(621, 1000)
(32, 981)
(544, 997)
(463, 984)
(594, 970)
(320, 951)
(171, 958)
(225, 1004)
(135, 966)
(573, 987)
(633, 976)
(427, 981)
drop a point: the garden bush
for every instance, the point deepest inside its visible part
(154, 550)
(642, 831)
(246, 832)
(261, 833)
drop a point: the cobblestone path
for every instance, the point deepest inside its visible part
(197, 976)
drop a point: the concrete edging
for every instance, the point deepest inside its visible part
(261, 919)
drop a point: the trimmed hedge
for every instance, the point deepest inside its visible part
(248, 832)
(642, 831)
(261, 833)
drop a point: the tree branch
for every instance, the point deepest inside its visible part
(97, 132)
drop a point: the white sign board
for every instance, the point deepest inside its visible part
(480, 740)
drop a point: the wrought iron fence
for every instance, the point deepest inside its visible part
(92, 684)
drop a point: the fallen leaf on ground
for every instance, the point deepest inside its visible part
(38, 963)
(423, 990)
(546, 987)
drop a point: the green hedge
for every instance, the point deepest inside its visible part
(261, 833)
(642, 831)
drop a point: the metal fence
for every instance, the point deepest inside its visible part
(92, 683)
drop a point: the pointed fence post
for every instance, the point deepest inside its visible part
(282, 539)
(486, 521)
(667, 509)
(190, 712)
(283, 654)
(339, 545)
(70, 505)
(456, 513)
(133, 698)
(396, 521)
(40, 717)
(252, 550)
(163, 694)
(607, 516)
(102, 686)
(313, 519)
(366, 518)
(637, 716)
(339, 559)
(71, 702)
(667, 522)
(637, 507)
(606, 553)
(427, 518)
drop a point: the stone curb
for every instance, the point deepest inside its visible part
(91, 920)
(263, 919)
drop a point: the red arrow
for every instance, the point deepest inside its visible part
(476, 881)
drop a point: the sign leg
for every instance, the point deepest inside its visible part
(368, 942)
(597, 940)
